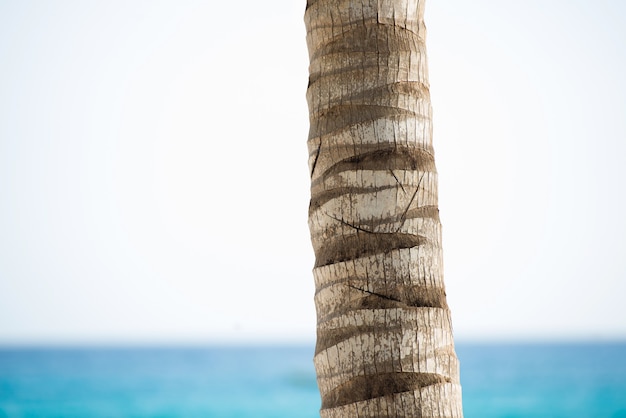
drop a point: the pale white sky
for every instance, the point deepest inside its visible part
(153, 169)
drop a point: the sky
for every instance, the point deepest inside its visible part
(154, 181)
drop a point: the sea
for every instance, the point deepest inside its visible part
(499, 380)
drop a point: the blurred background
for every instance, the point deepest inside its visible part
(154, 191)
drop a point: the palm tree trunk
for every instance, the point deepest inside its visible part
(384, 334)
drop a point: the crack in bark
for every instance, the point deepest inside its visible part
(407, 296)
(397, 181)
(358, 228)
(317, 156)
(403, 217)
(369, 292)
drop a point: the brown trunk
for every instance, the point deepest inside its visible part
(384, 343)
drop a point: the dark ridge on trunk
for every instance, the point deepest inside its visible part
(415, 89)
(347, 71)
(356, 74)
(391, 158)
(340, 117)
(413, 298)
(402, 297)
(363, 244)
(362, 388)
(318, 199)
(424, 212)
(331, 337)
(371, 37)
(420, 297)
(332, 153)
(380, 285)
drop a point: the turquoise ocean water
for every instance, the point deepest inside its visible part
(499, 380)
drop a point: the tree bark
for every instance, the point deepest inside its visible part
(384, 334)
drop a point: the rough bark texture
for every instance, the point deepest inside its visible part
(384, 343)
